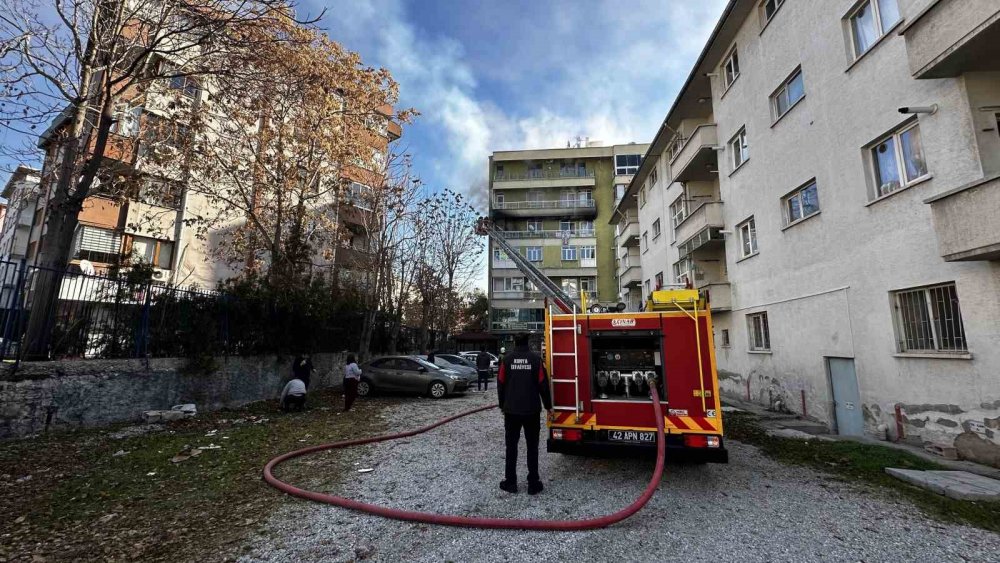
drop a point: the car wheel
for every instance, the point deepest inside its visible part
(437, 390)
(364, 388)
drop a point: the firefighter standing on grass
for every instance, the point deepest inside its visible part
(522, 389)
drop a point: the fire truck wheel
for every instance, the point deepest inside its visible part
(437, 390)
(364, 387)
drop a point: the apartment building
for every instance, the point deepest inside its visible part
(141, 211)
(829, 175)
(554, 206)
(21, 193)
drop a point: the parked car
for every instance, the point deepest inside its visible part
(460, 365)
(409, 374)
(472, 356)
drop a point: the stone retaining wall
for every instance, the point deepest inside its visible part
(81, 393)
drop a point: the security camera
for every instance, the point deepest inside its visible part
(932, 109)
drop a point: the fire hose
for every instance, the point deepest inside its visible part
(466, 521)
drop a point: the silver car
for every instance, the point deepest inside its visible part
(458, 365)
(409, 374)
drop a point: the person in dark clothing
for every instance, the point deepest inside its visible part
(522, 381)
(483, 370)
(302, 368)
(430, 356)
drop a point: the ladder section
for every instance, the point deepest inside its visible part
(560, 351)
(551, 290)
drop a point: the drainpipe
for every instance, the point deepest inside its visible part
(899, 423)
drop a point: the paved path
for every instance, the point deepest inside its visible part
(753, 509)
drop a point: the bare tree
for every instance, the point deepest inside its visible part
(456, 252)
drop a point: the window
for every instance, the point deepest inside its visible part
(127, 120)
(731, 68)
(535, 170)
(739, 148)
(725, 338)
(586, 227)
(767, 10)
(898, 160)
(500, 255)
(185, 85)
(499, 175)
(533, 253)
(627, 164)
(678, 211)
(656, 229)
(568, 253)
(802, 203)
(645, 241)
(748, 238)
(566, 226)
(659, 280)
(159, 253)
(586, 197)
(682, 270)
(653, 176)
(928, 319)
(642, 195)
(97, 245)
(620, 190)
(759, 336)
(588, 253)
(155, 191)
(499, 199)
(787, 95)
(536, 195)
(647, 286)
(534, 225)
(362, 196)
(570, 286)
(870, 22)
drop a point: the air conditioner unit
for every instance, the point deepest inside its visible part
(160, 274)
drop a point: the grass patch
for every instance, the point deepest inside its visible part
(94, 496)
(864, 463)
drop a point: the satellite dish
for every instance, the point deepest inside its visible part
(621, 306)
(87, 267)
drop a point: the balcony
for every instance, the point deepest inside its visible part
(575, 233)
(504, 264)
(965, 220)
(707, 215)
(517, 295)
(630, 276)
(544, 179)
(516, 326)
(560, 208)
(629, 236)
(695, 159)
(719, 294)
(949, 38)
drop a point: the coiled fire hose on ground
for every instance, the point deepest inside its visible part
(466, 521)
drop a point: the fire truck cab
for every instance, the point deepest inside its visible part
(601, 367)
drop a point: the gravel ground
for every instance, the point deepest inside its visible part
(753, 509)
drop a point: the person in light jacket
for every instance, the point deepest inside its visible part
(352, 376)
(293, 396)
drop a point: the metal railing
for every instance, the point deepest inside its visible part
(548, 234)
(517, 294)
(517, 325)
(551, 204)
(542, 175)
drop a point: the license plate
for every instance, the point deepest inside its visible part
(631, 436)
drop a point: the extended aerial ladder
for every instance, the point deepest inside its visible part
(561, 299)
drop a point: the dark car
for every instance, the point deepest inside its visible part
(409, 374)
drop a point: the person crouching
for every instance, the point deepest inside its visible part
(293, 396)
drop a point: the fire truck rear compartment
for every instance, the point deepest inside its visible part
(623, 363)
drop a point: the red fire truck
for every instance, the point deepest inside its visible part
(601, 366)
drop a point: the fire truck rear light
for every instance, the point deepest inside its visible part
(713, 441)
(567, 434)
(695, 441)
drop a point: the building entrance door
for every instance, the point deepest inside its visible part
(846, 396)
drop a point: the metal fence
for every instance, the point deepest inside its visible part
(114, 316)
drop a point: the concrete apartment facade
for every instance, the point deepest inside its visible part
(554, 205)
(830, 176)
(21, 193)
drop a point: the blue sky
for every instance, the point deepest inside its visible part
(491, 75)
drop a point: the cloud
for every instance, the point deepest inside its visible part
(487, 76)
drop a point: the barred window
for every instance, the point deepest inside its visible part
(759, 335)
(929, 319)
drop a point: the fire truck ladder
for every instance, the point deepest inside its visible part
(576, 365)
(548, 287)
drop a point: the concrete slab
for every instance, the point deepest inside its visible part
(960, 485)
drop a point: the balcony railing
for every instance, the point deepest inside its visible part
(548, 234)
(542, 175)
(517, 294)
(708, 214)
(517, 325)
(560, 204)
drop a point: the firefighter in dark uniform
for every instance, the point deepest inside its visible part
(522, 388)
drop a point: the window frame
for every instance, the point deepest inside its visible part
(653, 177)
(529, 250)
(896, 135)
(627, 169)
(776, 114)
(645, 241)
(677, 216)
(933, 323)
(764, 18)
(568, 250)
(739, 150)
(724, 337)
(587, 252)
(881, 30)
(684, 269)
(797, 192)
(656, 229)
(751, 225)
(753, 345)
(732, 56)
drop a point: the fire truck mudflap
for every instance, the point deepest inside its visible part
(603, 365)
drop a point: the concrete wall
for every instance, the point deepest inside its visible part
(85, 393)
